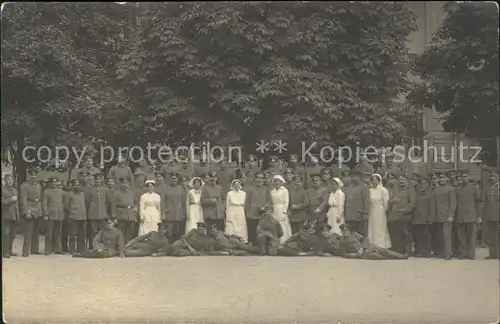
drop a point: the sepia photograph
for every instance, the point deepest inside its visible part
(266, 162)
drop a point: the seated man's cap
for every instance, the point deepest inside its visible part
(201, 225)
(315, 175)
(288, 170)
(464, 172)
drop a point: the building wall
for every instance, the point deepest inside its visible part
(429, 16)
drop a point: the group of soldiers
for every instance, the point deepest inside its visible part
(84, 212)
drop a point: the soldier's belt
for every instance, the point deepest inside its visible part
(125, 207)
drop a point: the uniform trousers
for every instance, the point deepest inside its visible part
(267, 245)
(128, 229)
(443, 233)
(53, 233)
(140, 249)
(31, 236)
(492, 236)
(8, 236)
(358, 226)
(422, 239)
(252, 230)
(77, 235)
(93, 254)
(398, 231)
(466, 239)
(64, 236)
(93, 227)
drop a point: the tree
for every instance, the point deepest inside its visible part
(460, 73)
(247, 71)
(58, 64)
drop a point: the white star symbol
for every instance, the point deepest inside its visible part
(280, 147)
(262, 147)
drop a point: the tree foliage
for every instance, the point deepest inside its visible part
(460, 72)
(256, 70)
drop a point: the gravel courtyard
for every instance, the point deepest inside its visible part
(249, 289)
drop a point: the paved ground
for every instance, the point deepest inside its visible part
(250, 289)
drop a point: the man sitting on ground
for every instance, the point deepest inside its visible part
(107, 243)
(269, 232)
(147, 244)
(230, 244)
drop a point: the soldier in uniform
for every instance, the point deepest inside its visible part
(186, 170)
(269, 232)
(399, 216)
(415, 182)
(296, 166)
(250, 169)
(124, 209)
(121, 170)
(195, 242)
(160, 184)
(434, 176)
(268, 180)
(328, 243)
(174, 207)
(213, 202)
(88, 167)
(167, 169)
(10, 215)
(312, 168)
(139, 178)
(389, 167)
(147, 244)
(289, 175)
(300, 243)
(326, 177)
(363, 167)
(258, 197)
(96, 203)
(491, 218)
(445, 201)
(53, 211)
(230, 244)
(422, 218)
(61, 172)
(31, 209)
(184, 182)
(357, 204)
(202, 168)
(316, 196)
(468, 214)
(273, 167)
(345, 176)
(107, 243)
(298, 205)
(76, 217)
(225, 175)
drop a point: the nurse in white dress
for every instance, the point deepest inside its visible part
(336, 202)
(281, 199)
(377, 218)
(193, 204)
(236, 222)
(149, 209)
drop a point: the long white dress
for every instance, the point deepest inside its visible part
(280, 199)
(149, 211)
(336, 203)
(236, 223)
(377, 218)
(194, 209)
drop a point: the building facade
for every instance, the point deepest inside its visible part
(442, 148)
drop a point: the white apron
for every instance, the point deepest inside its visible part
(280, 199)
(236, 223)
(194, 209)
(336, 202)
(377, 219)
(149, 205)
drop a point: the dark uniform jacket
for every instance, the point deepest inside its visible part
(270, 228)
(256, 198)
(310, 170)
(404, 200)
(298, 196)
(53, 204)
(445, 200)
(10, 209)
(357, 202)
(201, 170)
(123, 206)
(303, 241)
(468, 200)
(198, 241)
(315, 199)
(424, 208)
(75, 173)
(31, 199)
(75, 206)
(154, 239)
(212, 210)
(124, 171)
(491, 201)
(250, 173)
(364, 168)
(174, 203)
(167, 169)
(96, 202)
(110, 239)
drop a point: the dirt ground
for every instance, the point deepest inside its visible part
(250, 290)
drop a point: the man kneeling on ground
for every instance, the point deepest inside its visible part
(147, 244)
(269, 232)
(354, 246)
(107, 243)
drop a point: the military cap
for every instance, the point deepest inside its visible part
(416, 175)
(464, 172)
(345, 172)
(138, 171)
(294, 155)
(111, 178)
(273, 159)
(326, 171)
(160, 224)
(452, 172)
(367, 174)
(288, 170)
(345, 227)
(8, 176)
(174, 175)
(201, 225)
(267, 209)
(33, 171)
(76, 182)
(251, 157)
(259, 175)
(84, 173)
(297, 176)
(315, 175)
(109, 219)
(212, 174)
(53, 179)
(158, 172)
(98, 175)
